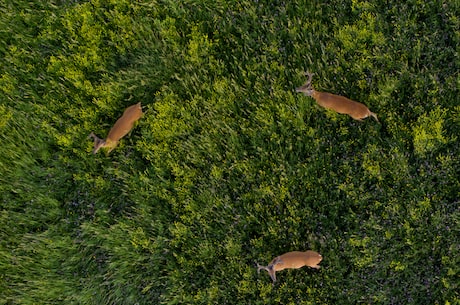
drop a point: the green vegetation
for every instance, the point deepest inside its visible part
(229, 165)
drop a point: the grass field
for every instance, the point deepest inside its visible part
(229, 166)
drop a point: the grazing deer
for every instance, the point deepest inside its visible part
(337, 103)
(292, 260)
(122, 126)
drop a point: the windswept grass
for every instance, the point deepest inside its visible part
(229, 165)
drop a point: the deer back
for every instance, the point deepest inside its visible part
(125, 123)
(296, 259)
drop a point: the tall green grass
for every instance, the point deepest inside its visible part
(228, 166)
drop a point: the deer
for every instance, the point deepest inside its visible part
(337, 103)
(291, 260)
(121, 128)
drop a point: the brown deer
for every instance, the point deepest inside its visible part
(292, 260)
(121, 127)
(337, 103)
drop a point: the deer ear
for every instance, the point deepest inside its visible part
(277, 261)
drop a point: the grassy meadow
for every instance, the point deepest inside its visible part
(229, 166)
